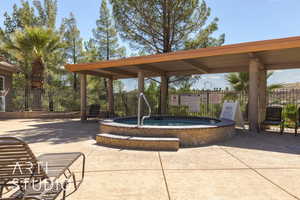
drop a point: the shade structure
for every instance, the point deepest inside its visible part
(274, 54)
(253, 57)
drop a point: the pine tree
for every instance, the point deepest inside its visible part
(105, 35)
(73, 41)
(47, 12)
(106, 42)
(90, 51)
(165, 25)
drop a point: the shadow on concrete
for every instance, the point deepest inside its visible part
(70, 130)
(56, 132)
(265, 141)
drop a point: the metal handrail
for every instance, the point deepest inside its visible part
(139, 121)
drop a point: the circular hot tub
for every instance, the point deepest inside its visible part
(191, 131)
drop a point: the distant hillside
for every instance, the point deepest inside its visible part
(291, 85)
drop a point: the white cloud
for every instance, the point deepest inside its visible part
(211, 77)
(278, 71)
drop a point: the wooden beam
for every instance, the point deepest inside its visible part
(151, 68)
(211, 71)
(110, 88)
(141, 87)
(262, 95)
(96, 73)
(198, 66)
(252, 55)
(163, 95)
(242, 48)
(253, 98)
(121, 72)
(83, 98)
(294, 65)
(257, 59)
(106, 72)
(141, 81)
(262, 86)
(5, 66)
(229, 69)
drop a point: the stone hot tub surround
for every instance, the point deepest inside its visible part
(208, 130)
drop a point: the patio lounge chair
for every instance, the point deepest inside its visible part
(274, 117)
(94, 111)
(24, 176)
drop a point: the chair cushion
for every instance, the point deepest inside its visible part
(269, 122)
(274, 114)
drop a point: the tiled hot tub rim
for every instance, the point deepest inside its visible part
(222, 123)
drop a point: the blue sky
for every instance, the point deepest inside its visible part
(240, 20)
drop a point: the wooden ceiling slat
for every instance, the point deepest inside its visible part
(95, 73)
(149, 67)
(121, 72)
(198, 66)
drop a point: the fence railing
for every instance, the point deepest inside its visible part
(209, 102)
(195, 103)
(59, 100)
(203, 103)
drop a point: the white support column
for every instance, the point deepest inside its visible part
(83, 99)
(163, 94)
(141, 87)
(253, 109)
(110, 96)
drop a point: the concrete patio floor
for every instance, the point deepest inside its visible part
(249, 166)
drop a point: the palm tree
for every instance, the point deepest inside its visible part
(32, 47)
(240, 82)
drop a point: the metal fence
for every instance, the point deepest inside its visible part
(59, 100)
(283, 97)
(203, 103)
(209, 102)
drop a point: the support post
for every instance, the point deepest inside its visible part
(253, 95)
(83, 99)
(110, 96)
(163, 94)
(141, 87)
(8, 97)
(262, 95)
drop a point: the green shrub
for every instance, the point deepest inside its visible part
(179, 110)
(290, 113)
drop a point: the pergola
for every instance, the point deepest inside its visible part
(253, 57)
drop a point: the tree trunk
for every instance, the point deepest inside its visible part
(124, 100)
(26, 94)
(167, 33)
(37, 99)
(74, 62)
(75, 82)
(37, 77)
(105, 88)
(51, 102)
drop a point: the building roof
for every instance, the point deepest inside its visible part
(274, 54)
(7, 67)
